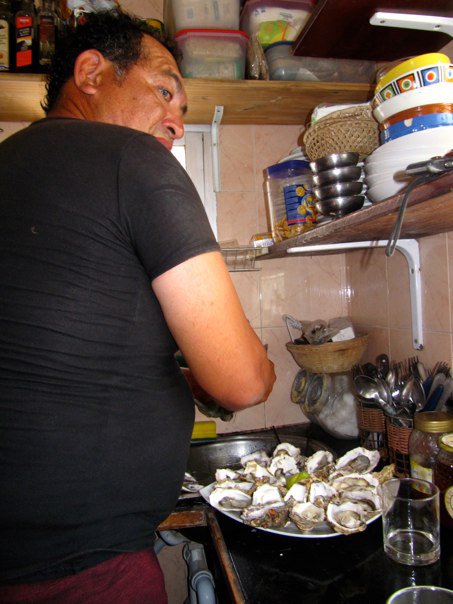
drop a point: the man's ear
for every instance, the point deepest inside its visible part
(88, 70)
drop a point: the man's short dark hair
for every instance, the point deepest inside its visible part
(116, 34)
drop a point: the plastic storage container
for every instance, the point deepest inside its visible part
(275, 20)
(212, 53)
(283, 65)
(206, 14)
(423, 442)
(290, 202)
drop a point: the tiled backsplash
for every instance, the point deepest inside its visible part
(366, 285)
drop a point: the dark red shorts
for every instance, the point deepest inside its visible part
(132, 578)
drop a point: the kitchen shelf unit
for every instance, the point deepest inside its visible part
(243, 101)
(429, 211)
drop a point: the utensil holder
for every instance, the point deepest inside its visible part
(398, 433)
(372, 430)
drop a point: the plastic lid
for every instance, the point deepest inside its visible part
(281, 43)
(281, 170)
(230, 32)
(446, 442)
(433, 421)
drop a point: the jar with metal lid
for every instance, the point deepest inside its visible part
(423, 442)
(443, 478)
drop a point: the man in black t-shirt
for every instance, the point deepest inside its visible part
(108, 266)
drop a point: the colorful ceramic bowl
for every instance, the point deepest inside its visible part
(415, 124)
(410, 65)
(416, 112)
(438, 93)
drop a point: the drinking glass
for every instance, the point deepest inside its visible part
(422, 594)
(410, 521)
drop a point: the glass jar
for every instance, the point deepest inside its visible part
(423, 442)
(443, 478)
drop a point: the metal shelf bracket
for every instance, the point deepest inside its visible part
(218, 114)
(410, 250)
(409, 21)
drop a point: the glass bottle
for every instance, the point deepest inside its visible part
(443, 478)
(24, 36)
(47, 27)
(423, 442)
(5, 35)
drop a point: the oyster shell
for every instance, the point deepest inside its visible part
(283, 464)
(321, 493)
(260, 456)
(229, 499)
(265, 494)
(358, 460)
(354, 481)
(347, 517)
(247, 487)
(296, 494)
(258, 473)
(273, 515)
(223, 474)
(306, 515)
(317, 461)
(286, 449)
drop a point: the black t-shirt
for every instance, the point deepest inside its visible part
(95, 416)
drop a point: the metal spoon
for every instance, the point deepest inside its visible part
(370, 391)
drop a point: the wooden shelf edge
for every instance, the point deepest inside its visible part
(244, 101)
(429, 212)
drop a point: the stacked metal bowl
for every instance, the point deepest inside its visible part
(338, 184)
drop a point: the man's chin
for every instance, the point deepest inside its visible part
(165, 142)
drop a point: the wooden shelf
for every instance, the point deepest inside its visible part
(429, 211)
(244, 101)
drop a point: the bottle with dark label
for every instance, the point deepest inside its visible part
(24, 34)
(5, 35)
(47, 27)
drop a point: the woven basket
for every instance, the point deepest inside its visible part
(353, 129)
(331, 357)
(398, 445)
(372, 431)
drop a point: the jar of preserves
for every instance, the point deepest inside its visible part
(423, 442)
(443, 478)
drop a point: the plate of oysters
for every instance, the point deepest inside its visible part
(309, 497)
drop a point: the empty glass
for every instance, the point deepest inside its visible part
(410, 520)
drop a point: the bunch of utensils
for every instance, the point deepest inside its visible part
(404, 388)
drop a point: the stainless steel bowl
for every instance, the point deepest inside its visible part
(338, 189)
(335, 160)
(346, 173)
(340, 206)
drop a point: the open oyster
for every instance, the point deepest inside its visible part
(306, 515)
(358, 460)
(273, 515)
(260, 456)
(346, 517)
(266, 493)
(283, 465)
(255, 471)
(321, 493)
(296, 494)
(317, 461)
(229, 499)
